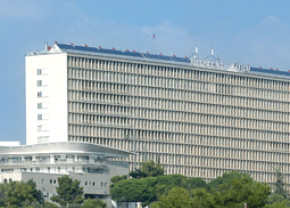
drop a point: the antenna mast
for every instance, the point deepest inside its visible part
(154, 45)
(195, 53)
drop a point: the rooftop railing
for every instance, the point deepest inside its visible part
(216, 64)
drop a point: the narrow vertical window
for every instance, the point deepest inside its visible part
(39, 72)
(39, 105)
(39, 128)
(39, 83)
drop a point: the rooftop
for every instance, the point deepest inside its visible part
(210, 64)
(63, 147)
(123, 53)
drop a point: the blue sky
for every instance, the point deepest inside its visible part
(255, 32)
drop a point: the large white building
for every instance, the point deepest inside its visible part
(198, 118)
(93, 165)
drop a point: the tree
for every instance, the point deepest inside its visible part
(231, 190)
(134, 190)
(274, 198)
(226, 179)
(176, 198)
(167, 182)
(279, 184)
(152, 169)
(202, 199)
(237, 191)
(282, 204)
(49, 205)
(116, 179)
(20, 194)
(145, 190)
(148, 169)
(68, 191)
(180, 197)
(277, 200)
(93, 203)
(37, 194)
(197, 183)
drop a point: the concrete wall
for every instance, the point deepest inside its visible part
(53, 125)
(94, 184)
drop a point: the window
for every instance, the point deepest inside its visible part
(39, 71)
(39, 94)
(39, 83)
(39, 128)
(39, 117)
(39, 105)
(42, 139)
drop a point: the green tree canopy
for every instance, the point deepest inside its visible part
(116, 179)
(68, 191)
(197, 183)
(148, 169)
(231, 190)
(226, 179)
(49, 205)
(20, 194)
(273, 198)
(134, 190)
(237, 191)
(167, 182)
(279, 184)
(146, 190)
(177, 197)
(277, 201)
(201, 198)
(283, 204)
(93, 203)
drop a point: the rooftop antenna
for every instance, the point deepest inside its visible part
(195, 53)
(213, 62)
(212, 57)
(154, 44)
(46, 46)
(193, 57)
(119, 45)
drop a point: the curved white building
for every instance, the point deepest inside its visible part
(93, 165)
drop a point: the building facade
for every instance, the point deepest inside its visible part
(198, 118)
(93, 165)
